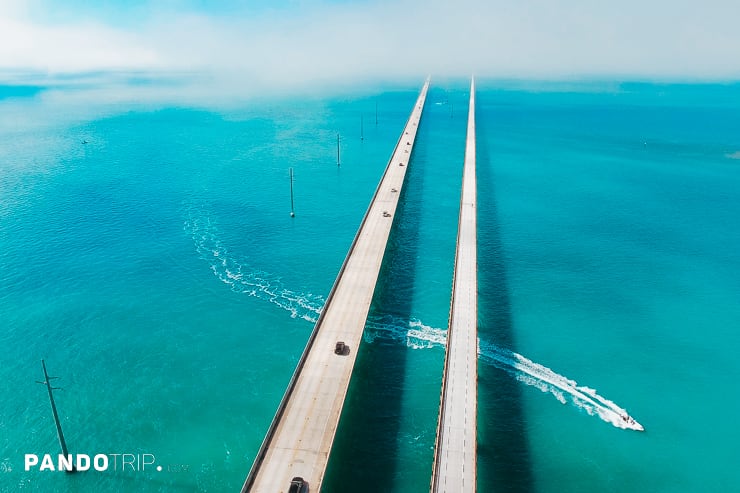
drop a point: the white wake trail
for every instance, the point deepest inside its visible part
(243, 278)
(417, 335)
(563, 388)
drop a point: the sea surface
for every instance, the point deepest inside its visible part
(147, 253)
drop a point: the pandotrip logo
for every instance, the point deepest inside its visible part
(96, 462)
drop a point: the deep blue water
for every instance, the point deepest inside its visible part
(147, 253)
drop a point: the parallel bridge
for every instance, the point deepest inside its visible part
(299, 440)
(455, 450)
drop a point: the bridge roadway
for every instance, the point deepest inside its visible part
(454, 467)
(300, 437)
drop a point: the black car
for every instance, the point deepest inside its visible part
(298, 485)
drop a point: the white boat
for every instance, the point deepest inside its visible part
(631, 423)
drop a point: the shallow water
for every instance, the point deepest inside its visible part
(157, 270)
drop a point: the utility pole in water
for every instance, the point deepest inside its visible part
(338, 161)
(60, 434)
(292, 211)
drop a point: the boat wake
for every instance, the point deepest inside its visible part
(417, 335)
(243, 278)
(563, 388)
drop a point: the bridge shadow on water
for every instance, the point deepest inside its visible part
(504, 461)
(364, 456)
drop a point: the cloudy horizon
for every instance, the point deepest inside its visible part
(297, 45)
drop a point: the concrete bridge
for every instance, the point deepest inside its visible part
(454, 467)
(299, 440)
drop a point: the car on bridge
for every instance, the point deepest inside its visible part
(298, 485)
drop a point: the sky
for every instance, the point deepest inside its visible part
(289, 45)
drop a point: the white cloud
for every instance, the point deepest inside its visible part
(317, 45)
(76, 48)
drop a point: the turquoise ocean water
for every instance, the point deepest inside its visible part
(147, 253)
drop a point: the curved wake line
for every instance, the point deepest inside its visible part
(563, 388)
(243, 278)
